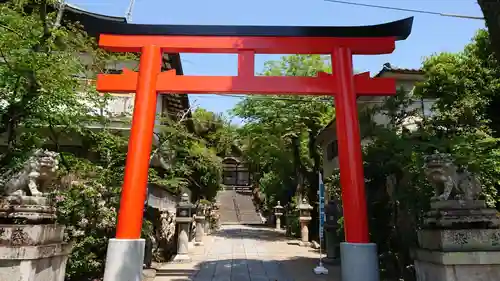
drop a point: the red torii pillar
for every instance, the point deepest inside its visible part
(342, 84)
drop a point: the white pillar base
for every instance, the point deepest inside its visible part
(359, 262)
(180, 258)
(124, 260)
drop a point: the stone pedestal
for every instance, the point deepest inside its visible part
(206, 222)
(458, 255)
(192, 233)
(461, 242)
(34, 250)
(332, 242)
(215, 217)
(184, 220)
(278, 212)
(304, 231)
(200, 230)
(183, 240)
(304, 219)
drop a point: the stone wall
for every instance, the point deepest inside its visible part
(161, 244)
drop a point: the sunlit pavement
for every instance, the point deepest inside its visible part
(241, 253)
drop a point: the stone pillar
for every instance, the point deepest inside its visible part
(305, 217)
(200, 226)
(183, 220)
(192, 232)
(278, 212)
(206, 222)
(35, 244)
(288, 220)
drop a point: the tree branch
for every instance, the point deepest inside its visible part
(4, 26)
(491, 12)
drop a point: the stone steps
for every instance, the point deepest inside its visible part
(237, 207)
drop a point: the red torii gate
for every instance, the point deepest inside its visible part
(339, 42)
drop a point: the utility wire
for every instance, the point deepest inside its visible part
(406, 10)
(128, 13)
(261, 97)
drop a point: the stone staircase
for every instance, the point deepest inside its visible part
(227, 209)
(236, 207)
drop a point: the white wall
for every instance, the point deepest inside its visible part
(366, 102)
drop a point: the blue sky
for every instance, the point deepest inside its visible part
(431, 34)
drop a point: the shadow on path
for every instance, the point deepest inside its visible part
(291, 269)
(243, 253)
(251, 232)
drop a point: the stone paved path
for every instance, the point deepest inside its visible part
(247, 253)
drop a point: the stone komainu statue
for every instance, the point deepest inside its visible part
(35, 176)
(450, 183)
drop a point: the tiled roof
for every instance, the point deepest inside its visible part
(387, 67)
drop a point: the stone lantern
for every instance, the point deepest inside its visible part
(304, 218)
(183, 220)
(278, 212)
(200, 224)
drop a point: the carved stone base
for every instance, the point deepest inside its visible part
(30, 235)
(458, 255)
(29, 208)
(458, 214)
(457, 266)
(457, 240)
(33, 252)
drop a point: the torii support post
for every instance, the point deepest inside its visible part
(125, 253)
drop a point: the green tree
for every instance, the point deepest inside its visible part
(465, 86)
(279, 133)
(46, 96)
(42, 87)
(216, 130)
(190, 162)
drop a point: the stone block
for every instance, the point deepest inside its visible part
(33, 252)
(460, 240)
(29, 212)
(462, 218)
(457, 266)
(30, 235)
(458, 204)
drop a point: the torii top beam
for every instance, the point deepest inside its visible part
(373, 39)
(339, 42)
(247, 41)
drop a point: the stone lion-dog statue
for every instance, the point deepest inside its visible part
(449, 183)
(35, 176)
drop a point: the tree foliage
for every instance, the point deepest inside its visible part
(465, 88)
(48, 99)
(464, 123)
(491, 12)
(279, 134)
(192, 157)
